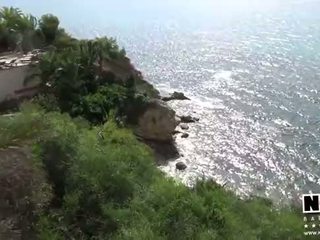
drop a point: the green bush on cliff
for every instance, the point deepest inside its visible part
(92, 91)
(17, 128)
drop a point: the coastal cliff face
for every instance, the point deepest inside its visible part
(156, 121)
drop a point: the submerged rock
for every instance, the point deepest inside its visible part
(184, 135)
(175, 96)
(184, 126)
(176, 132)
(188, 119)
(157, 122)
(163, 152)
(181, 166)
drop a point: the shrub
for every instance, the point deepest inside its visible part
(98, 180)
(18, 128)
(57, 150)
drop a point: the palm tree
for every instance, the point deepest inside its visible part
(10, 17)
(16, 29)
(49, 25)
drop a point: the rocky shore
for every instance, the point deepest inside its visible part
(75, 161)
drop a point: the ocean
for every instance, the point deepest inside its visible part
(251, 68)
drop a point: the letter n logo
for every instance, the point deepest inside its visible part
(310, 203)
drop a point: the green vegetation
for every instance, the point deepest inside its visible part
(93, 92)
(23, 32)
(106, 186)
(104, 182)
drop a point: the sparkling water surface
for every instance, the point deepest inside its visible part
(251, 68)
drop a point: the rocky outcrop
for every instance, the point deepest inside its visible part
(157, 122)
(121, 70)
(175, 96)
(163, 152)
(184, 126)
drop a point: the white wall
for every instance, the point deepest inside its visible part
(12, 80)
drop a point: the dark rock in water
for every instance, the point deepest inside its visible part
(188, 119)
(181, 166)
(185, 135)
(184, 126)
(176, 132)
(163, 152)
(175, 96)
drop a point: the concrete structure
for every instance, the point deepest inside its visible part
(14, 68)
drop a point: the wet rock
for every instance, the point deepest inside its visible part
(175, 96)
(188, 119)
(181, 166)
(184, 135)
(157, 122)
(176, 132)
(163, 152)
(184, 126)
(178, 120)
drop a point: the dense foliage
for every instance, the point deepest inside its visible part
(107, 186)
(23, 32)
(75, 77)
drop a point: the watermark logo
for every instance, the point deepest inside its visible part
(310, 203)
(311, 210)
